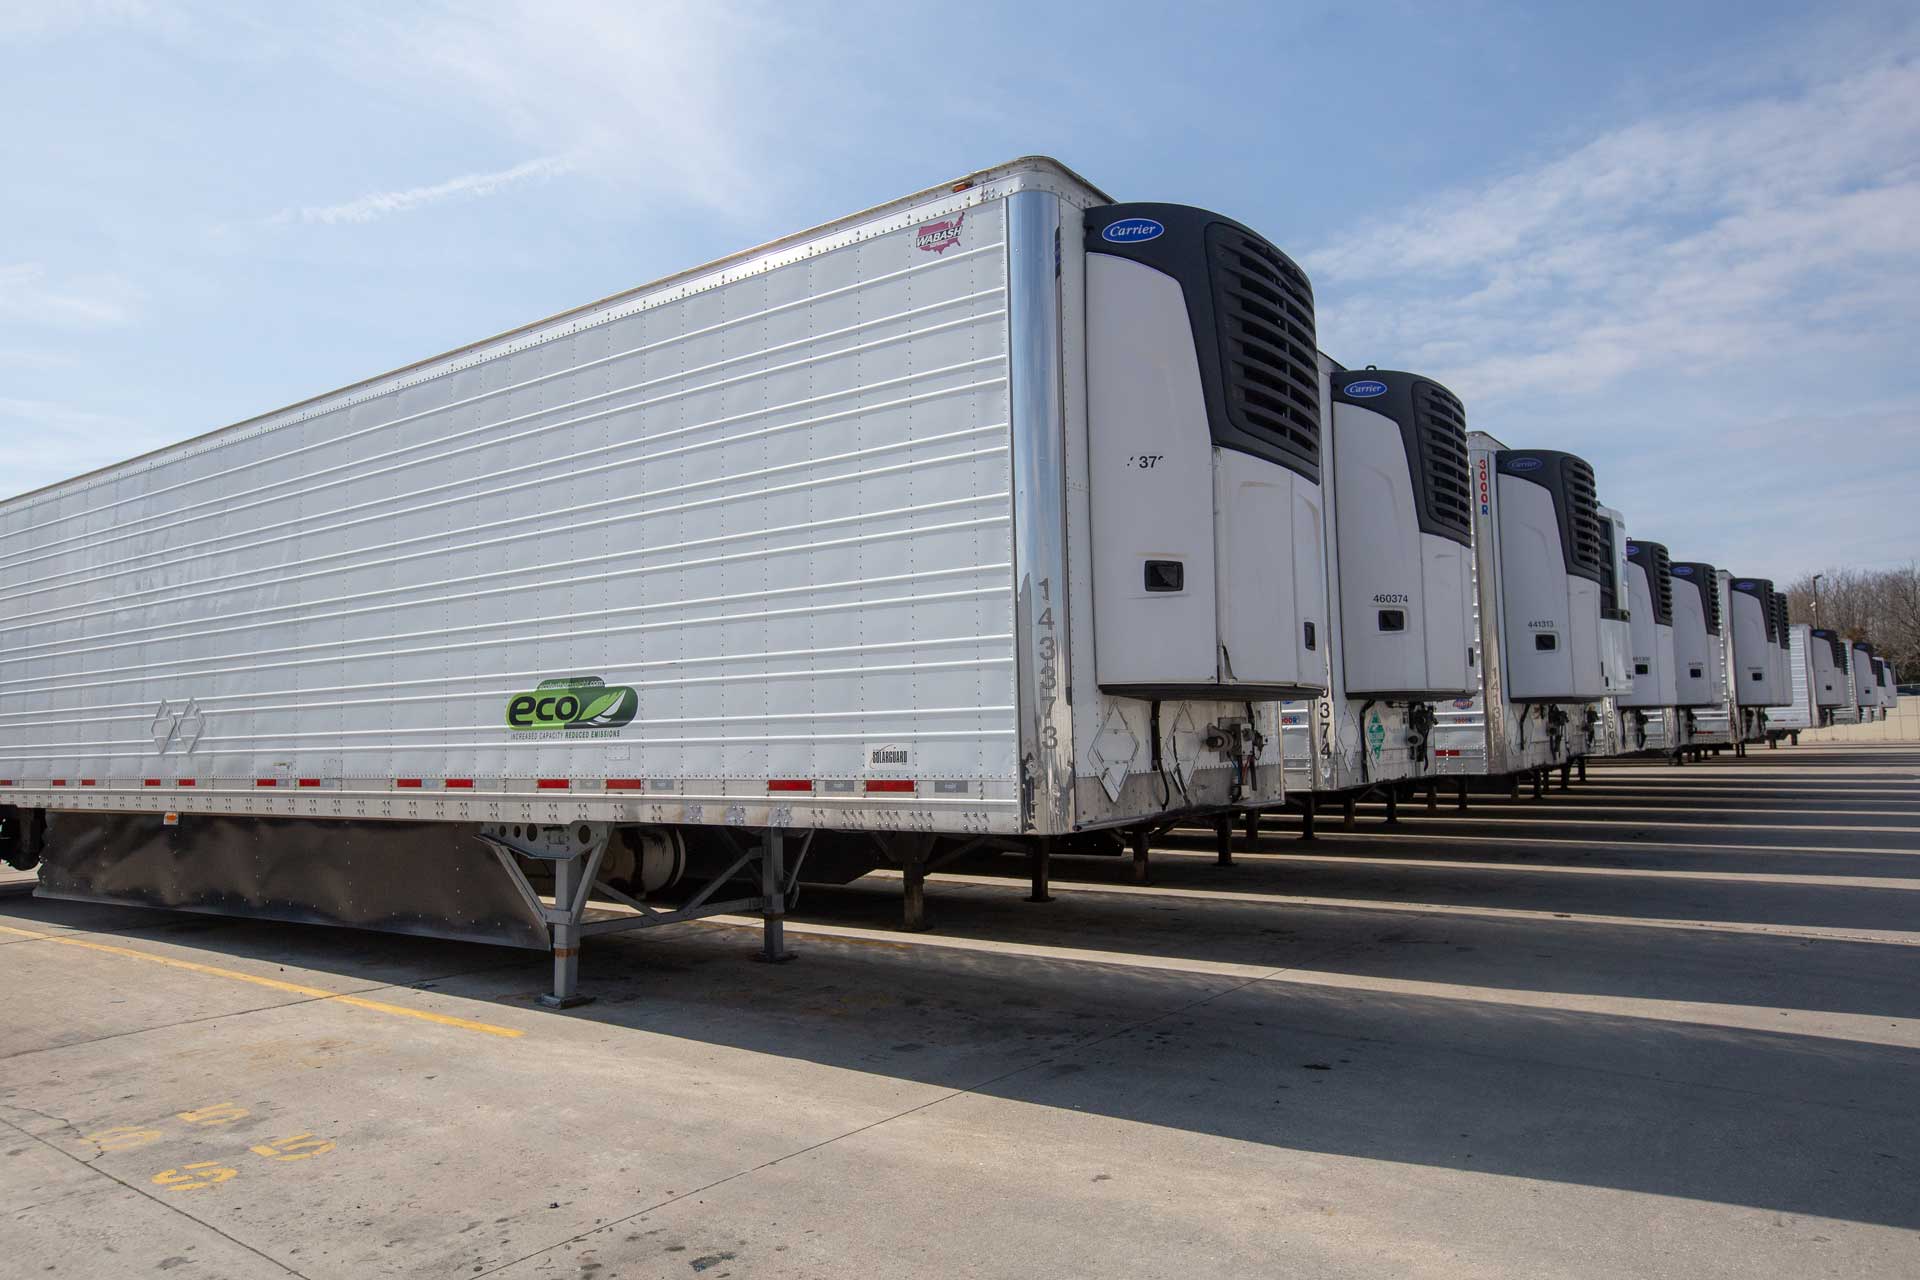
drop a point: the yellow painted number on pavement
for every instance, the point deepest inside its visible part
(301, 1146)
(219, 1113)
(191, 1177)
(124, 1138)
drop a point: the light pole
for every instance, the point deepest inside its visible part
(1816, 597)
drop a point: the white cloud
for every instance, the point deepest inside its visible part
(1711, 238)
(467, 186)
(29, 297)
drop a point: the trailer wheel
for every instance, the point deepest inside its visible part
(23, 833)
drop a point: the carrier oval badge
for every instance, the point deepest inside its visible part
(1685, 571)
(1524, 464)
(1362, 390)
(1132, 231)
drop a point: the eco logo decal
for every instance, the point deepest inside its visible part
(1376, 735)
(938, 237)
(578, 706)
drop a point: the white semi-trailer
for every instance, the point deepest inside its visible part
(1866, 685)
(1754, 669)
(1539, 563)
(1829, 665)
(987, 515)
(1648, 717)
(1398, 521)
(1699, 656)
(1801, 711)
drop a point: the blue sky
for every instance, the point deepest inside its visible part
(1680, 240)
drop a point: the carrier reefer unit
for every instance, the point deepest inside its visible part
(1829, 667)
(1648, 708)
(1756, 665)
(1539, 561)
(1883, 673)
(989, 512)
(1697, 654)
(1399, 524)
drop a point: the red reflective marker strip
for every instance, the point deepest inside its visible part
(87, 782)
(57, 782)
(309, 782)
(553, 784)
(789, 784)
(626, 784)
(406, 782)
(891, 784)
(150, 782)
(266, 782)
(460, 784)
(183, 782)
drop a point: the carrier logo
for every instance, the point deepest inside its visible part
(938, 237)
(1743, 586)
(1362, 390)
(1132, 231)
(1524, 464)
(570, 704)
(1684, 571)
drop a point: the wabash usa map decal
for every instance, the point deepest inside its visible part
(937, 237)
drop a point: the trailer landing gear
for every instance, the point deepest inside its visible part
(576, 851)
(1042, 856)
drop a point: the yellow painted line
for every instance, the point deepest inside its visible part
(1825, 933)
(1857, 1027)
(272, 984)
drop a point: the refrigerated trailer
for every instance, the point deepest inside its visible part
(1801, 710)
(1829, 671)
(1398, 527)
(985, 518)
(1648, 719)
(1865, 694)
(1539, 565)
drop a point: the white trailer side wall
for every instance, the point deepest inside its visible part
(773, 501)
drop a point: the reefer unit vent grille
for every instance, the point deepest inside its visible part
(1835, 646)
(1710, 597)
(1587, 545)
(1265, 308)
(1780, 619)
(1440, 424)
(1662, 586)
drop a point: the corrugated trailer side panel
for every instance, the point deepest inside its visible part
(754, 525)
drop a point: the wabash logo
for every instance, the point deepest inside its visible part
(572, 703)
(938, 237)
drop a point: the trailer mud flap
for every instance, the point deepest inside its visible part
(431, 879)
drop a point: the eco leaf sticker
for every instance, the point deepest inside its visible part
(572, 702)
